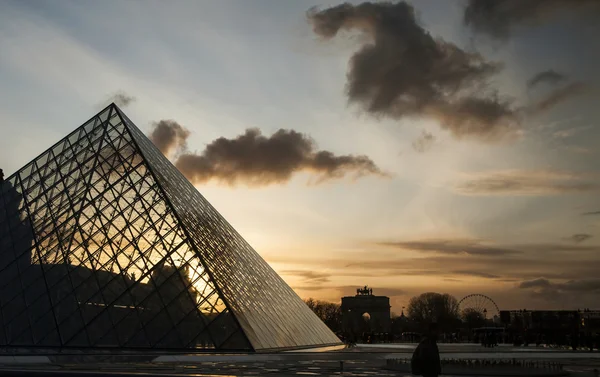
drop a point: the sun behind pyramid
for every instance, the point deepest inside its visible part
(104, 243)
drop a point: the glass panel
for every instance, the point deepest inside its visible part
(52, 339)
(190, 327)
(236, 341)
(99, 329)
(96, 255)
(71, 327)
(274, 315)
(41, 318)
(24, 338)
(128, 325)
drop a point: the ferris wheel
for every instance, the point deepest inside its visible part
(479, 303)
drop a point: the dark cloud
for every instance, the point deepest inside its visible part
(558, 96)
(255, 160)
(499, 18)
(579, 237)
(559, 248)
(572, 292)
(316, 287)
(168, 136)
(477, 274)
(535, 283)
(584, 285)
(518, 266)
(593, 213)
(121, 99)
(395, 270)
(522, 182)
(549, 76)
(424, 142)
(468, 247)
(405, 72)
(508, 280)
(522, 262)
(452, 280)
(309, 277)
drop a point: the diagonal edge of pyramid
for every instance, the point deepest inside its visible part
(146, 149)
(274, 331)
(98, 115)
(197, 216)
(97, 127)
(135, 134)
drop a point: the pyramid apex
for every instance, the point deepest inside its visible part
(114, 105)
(131, 255)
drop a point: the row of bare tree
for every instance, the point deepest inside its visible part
(421, 310)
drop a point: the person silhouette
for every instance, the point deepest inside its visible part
(426, 358)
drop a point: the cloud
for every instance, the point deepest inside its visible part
(310, 277)
(557, 248)
(593, 213)
(579, 237)
(316, 287)
(499, 18)
(424, 142)
(558, 96)
(584, 285)
(527, 182)
(405, 72)
(168, 136)
(452, 280)
(550, 76)
(535, 283)
(477, 274)
(475, 258)
(121, 99)
(569, 132)
(258, 160)
(551, 261)
(468, 247)
(571, 291)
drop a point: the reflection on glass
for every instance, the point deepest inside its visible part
(92, 254)
(103, 243)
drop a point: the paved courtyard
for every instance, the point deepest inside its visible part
(363, 360)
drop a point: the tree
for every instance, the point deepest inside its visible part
(434, 307)
(473, 318)
(329, 312)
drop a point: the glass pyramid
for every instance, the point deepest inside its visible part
(104, 244)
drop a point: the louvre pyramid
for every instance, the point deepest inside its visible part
(104, 244)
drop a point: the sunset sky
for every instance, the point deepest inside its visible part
(440, 152)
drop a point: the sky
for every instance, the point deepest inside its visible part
(416, 146)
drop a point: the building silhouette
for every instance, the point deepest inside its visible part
(564, 327)
(365, 313)
(104, 244)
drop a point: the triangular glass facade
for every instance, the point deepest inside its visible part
(104, 244)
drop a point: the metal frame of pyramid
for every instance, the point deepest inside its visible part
(105, 245)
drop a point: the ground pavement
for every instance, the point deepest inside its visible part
(363, 360)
